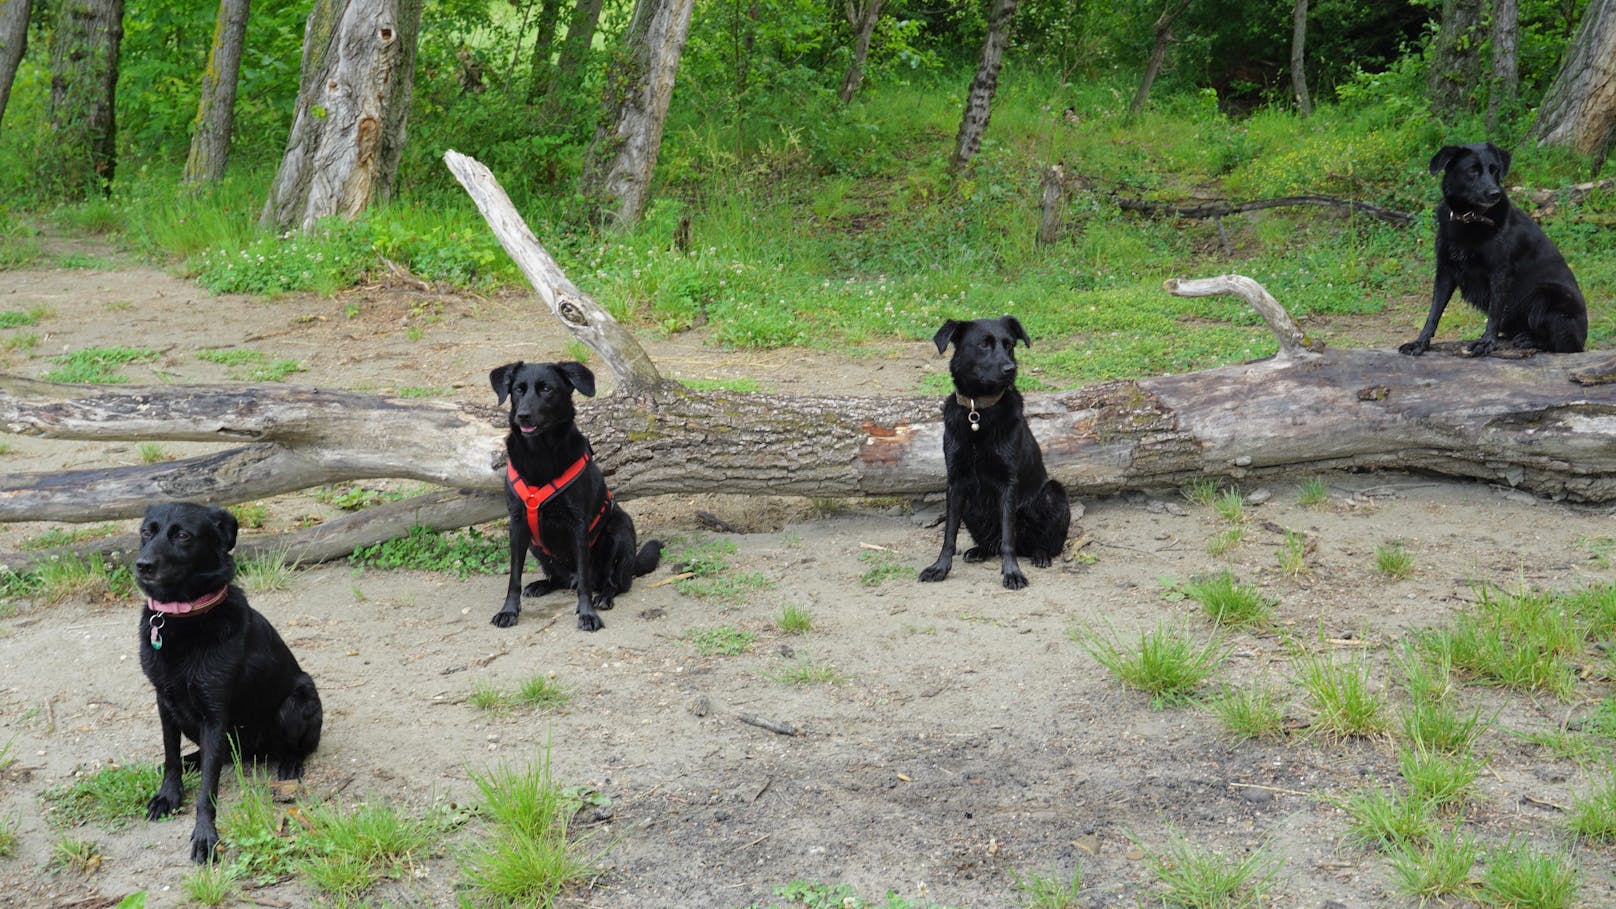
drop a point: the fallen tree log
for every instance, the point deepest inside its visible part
(1520, 422)
(1222, 209)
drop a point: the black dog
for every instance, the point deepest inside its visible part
(223, 676)
(557, 497)
(1499, 260)
(996, 479)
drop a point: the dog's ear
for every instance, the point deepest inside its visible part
(500, 378)
(1503, 160)
(1443, 158)
(225, 523)
(946, 334)
(1013, 324)
(579, 377)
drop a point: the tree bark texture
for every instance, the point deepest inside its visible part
(979, 100)
(352, 106)
(1304, 103)
(84, 83)
(13, 43)
(574, 52)
(1162, 35)
(543, 49)
(1505, 80)
(620, 162)
(1456, 67)
(1049, 207)
(216, 109)
(863, 18)
(1579, 110)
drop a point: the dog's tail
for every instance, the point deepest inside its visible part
(650, 555)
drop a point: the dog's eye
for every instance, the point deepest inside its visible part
(184, 536)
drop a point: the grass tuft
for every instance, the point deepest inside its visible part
(1167, 664)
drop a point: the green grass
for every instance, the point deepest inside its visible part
(724, 640)
(1440, 778)
(1228, 603)
(353, 497)
(1520, 877)
(1383, 819)
(1197, 878)
(1394, 560)
(213, 884)
(1167, 663)
(1312, 494)
(1201, 491)
(794, 620)
(462, 554)
(71, 853)
(740, 386)
(1593, 812)
(152, 453)
(526, 856)
(1230, 505)
(537, 692)
(421, 391)
(1293, 555)
(1225, 540)
(9, 824)
(1344, 700)
(1437, 868)
(1524, 641)
(97, 365)
(800, 894)
(1251, 713)
(252, 365)
(347, 851)
(113, 796)
(62, 536)
(1037, 891)
(266, 571)
(711, 575)
(807, 672)
(12, 318)
(883, 566)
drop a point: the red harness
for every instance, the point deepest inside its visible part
(534, 498)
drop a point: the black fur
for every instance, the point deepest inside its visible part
(1498, 260)
(225, 672)
(996, 480)
(543, 442)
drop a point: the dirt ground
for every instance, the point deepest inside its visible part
(968, 739)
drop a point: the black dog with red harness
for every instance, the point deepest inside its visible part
(560, 508)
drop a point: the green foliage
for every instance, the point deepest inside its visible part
(12, 318)
(1167, 663)
(537, 692)
(96, 365)
(1386, 820)
(1251, 713)
(113, 796)
(252, 365)
(883, 566)
(724, 640)
(801, 894)
(1229, 603)
(1521, 877)
(1345, 701)
(63, 577)
(706, 561)
(794, 620)
(267, 265)
(1196, 878)
(527, 857)
(423, 549)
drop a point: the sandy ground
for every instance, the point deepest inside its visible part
(967, 738)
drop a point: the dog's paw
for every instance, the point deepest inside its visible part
(1415, 348)
(538, 588)
(162, 805)
(588, 621)
(934, 573)
(1481, 347)
(204, 844)
(975, 554)
(1041, 560)
(504, 618)
(1014, 580)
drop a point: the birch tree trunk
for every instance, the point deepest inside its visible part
(1579, 110)
(83, 99)
(13, 43)
(620, 162)
(863, 19)
(1456, 66)
(979, 100)
(348, 129)
(1505, 80)
(1304, 103)
(1163, 35)
(216, 109)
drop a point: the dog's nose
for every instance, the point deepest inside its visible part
(144, 567)
(1492, 196)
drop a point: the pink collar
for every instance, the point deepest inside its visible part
(194, 607)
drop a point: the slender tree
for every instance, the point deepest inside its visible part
(619, 163)
(979, 100)
(1579, 110)
(575, 49)
(13, 42)
(1456, 66)
(1505, 80)
(1299, 57)
(1162, 33)
(216, 109)
(543, 49)
(83, 97)
(352, 106)
(862, 15)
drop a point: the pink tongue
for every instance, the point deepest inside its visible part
(528, 428)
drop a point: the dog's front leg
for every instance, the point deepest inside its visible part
(1488, 341)
(953, 509)
(506, 616)
(1441, 293)
(1009, 568)
(172, 790)
(588, 618)
(215, 748)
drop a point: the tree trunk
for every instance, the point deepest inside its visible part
(1456, 66)
(574, 51)
(979, 100)
(1163, 35)
(620, 162)
(863, 19)
(1505, 80)
(543, 49)
(13, 42)
(348, 128)
(1049, 208)
(1299, 57)
(1579, 110)
(216, 110)
(84, 83)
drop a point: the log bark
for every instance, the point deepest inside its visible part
(1219, 209)
(1579, 109)
(216, 108)
(979, 100)
(13, 43)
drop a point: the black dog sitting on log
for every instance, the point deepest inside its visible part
(1499, 260)
(559, 506)
(996, 480)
